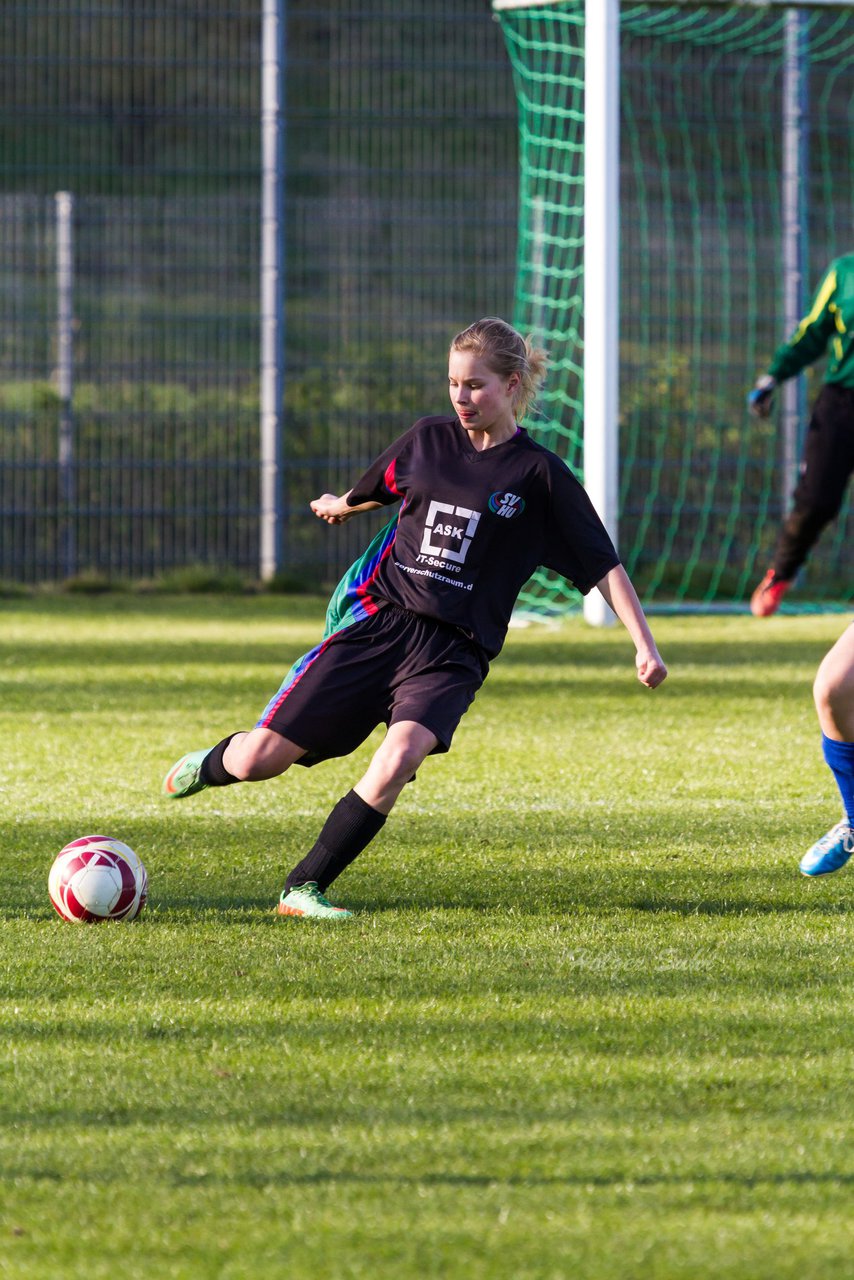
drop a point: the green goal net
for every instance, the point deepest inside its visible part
(702, 486)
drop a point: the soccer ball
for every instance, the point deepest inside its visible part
(97, 878)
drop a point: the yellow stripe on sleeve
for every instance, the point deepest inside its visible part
(821, 301)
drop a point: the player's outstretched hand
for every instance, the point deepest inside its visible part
(651, 669)
(332, 509)
(761, 399)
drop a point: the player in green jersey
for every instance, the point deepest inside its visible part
(828, 456)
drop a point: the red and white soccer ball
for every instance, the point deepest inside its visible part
(97, 878)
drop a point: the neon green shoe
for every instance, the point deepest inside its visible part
(183, 778)
(307, 900)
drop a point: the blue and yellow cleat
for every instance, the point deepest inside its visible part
(831, 852)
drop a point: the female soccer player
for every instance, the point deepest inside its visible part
(413, 627)
(834, 701)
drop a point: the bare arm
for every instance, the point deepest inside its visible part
(335, 510)
(619, 593)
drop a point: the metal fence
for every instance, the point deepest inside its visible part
(130, 441)
(129, 444)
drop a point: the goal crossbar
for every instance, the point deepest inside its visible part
(506, 5)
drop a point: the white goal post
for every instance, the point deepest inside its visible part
(601, 271)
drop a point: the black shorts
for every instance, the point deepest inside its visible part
(392, 666)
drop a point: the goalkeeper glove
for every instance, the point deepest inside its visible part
(761, 398)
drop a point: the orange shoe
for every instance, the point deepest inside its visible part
(767, 596)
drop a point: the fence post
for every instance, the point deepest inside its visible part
(272, 283)
(64, 203)
(795, 180)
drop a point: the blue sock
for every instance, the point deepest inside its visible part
(840, 760)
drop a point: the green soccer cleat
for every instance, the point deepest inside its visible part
(307, 900)
(183, 778)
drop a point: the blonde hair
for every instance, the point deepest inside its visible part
(506, 352)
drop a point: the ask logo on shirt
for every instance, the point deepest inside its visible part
(448, 532)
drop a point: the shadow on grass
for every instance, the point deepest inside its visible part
(536, 894)
(616, 1180)
(738, 907)
(195, 910)
(766, 649)
(331, 1177)
(519, 893)
(571, 903)
(583, 649)
(187, 606)
(198, 654)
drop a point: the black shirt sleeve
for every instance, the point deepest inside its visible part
(380, 483)
(579, 545)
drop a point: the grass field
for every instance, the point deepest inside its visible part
(590, 1022)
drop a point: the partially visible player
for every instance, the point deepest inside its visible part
(828, 456)
(414, 626)
(834, 701)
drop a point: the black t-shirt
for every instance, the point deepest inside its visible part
(474, 525)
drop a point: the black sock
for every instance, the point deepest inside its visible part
(212, 771)
(350, 827)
